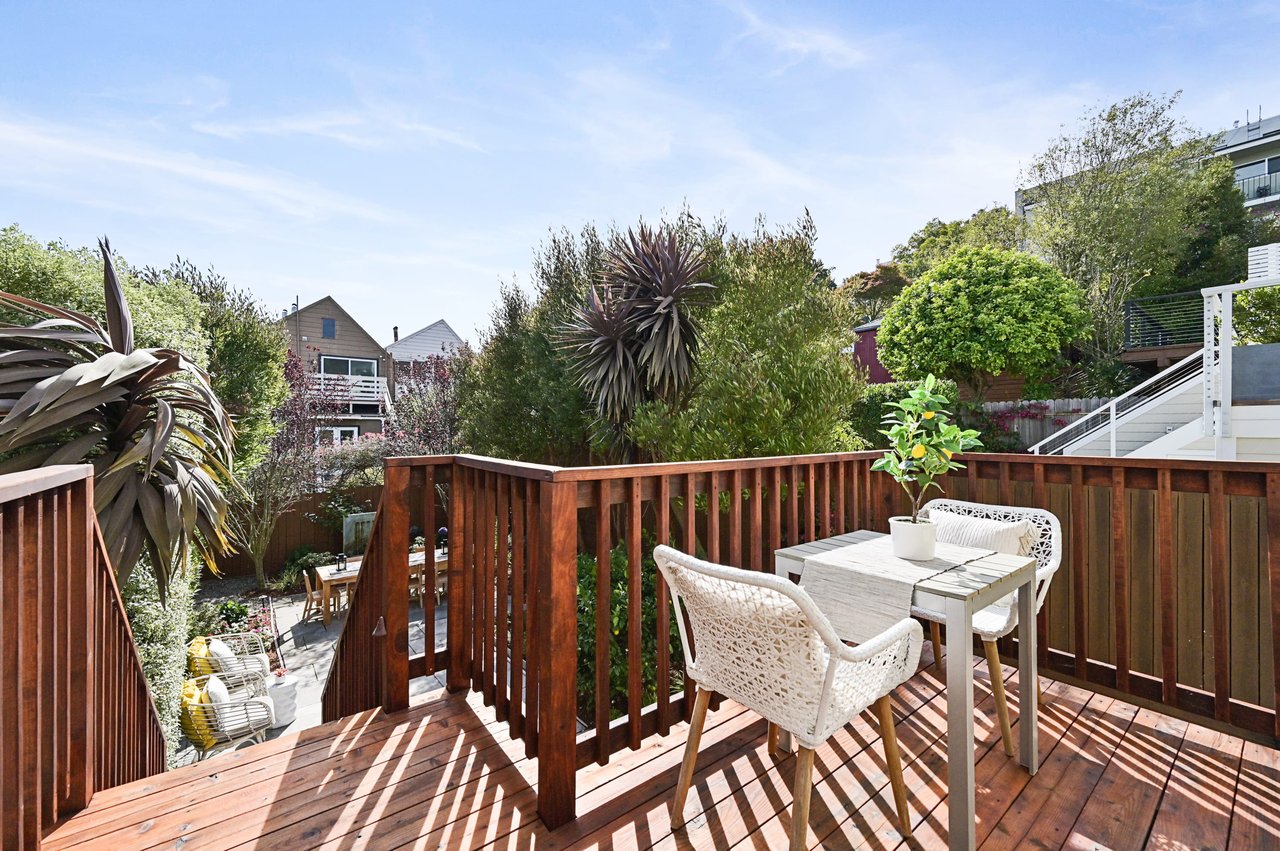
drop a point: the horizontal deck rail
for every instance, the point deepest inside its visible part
(76, 715)
(1169, 592)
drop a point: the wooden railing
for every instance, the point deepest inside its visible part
(1169, 589)
(76, 715)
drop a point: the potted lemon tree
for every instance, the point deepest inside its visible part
(922, 441)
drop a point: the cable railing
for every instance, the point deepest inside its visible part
(1109, 417)
(1164, 320)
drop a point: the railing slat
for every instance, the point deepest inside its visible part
(1079, 572)
(604, 606)
(504, 596)
(735, 518)
(1273, 582)
(664, 610)
(518, 598)
(635, 586)
(1220, 596)
(1167, 583)
(1120, 573)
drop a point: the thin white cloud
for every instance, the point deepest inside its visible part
(198, 94)
(367, 129)
(175, 182)
(800, 42)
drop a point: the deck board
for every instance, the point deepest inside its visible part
(445, 774)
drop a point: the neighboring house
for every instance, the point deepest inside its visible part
(866, 355)
(353, 367)
(1254, 150)
(438, 338)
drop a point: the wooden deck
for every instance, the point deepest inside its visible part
(445, 775)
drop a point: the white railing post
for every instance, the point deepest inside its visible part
(1226, 340)
(1113, 429)
(1208, 421)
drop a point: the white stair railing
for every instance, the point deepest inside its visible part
(1111, 415)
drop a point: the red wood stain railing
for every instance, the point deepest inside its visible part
(1169, 588)
(76, 715)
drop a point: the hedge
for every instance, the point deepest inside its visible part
(866, 414)
(160, 632)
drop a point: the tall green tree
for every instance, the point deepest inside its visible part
(869, 294)
(246, 354)
(772, 376)
(979, 314)
(517, 397)
(1133, 201)
(994, 227)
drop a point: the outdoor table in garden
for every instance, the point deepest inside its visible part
(333, 575)
(959, 590)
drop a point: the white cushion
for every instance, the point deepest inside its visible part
(223, 657)
(255, 713)
(1012, 537)
(217, 690)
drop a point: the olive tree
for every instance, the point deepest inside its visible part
(981, 313)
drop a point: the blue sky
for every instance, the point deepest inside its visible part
(406, 157)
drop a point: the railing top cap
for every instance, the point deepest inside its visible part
(27, 482)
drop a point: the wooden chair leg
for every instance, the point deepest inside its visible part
(997, 689)
(773, 739)
(690, 756)
(935, 636)
(893, 759)
(801, 791)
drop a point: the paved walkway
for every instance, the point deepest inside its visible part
(306, 648)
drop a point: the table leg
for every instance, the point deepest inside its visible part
(961, 796)
(1028, 678)
(324, 602)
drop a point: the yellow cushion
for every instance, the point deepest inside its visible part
(198, 658)
(197, 726)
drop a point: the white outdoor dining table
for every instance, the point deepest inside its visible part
(958, 593)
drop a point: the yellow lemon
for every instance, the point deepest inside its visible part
(918, 451)
(928, 415)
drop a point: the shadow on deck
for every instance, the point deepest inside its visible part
(444, 774)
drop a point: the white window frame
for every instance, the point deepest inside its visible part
(349, 360)
(336, 433)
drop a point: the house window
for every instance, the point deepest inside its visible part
(333, 435)
(1251, 170)
(365, 367)
(1273, 165)
(328, 328)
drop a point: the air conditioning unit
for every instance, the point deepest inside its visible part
(1264, 261)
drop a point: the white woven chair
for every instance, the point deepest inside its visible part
(762, 641)
(245, 715)
(248, 656)
(999, 619)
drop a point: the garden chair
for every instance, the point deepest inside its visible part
(313, 602)
(219, 714)
(233, 655)
(762, 641)
(978, 525)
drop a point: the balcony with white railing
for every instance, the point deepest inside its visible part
(353, 389)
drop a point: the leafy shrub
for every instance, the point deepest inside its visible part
(981, 313)
(618, 617)
(867, 413)
(289, 579)
(159, 631)
(234, 614)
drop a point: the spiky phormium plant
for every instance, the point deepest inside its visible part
(146, 419)
(636, 339)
